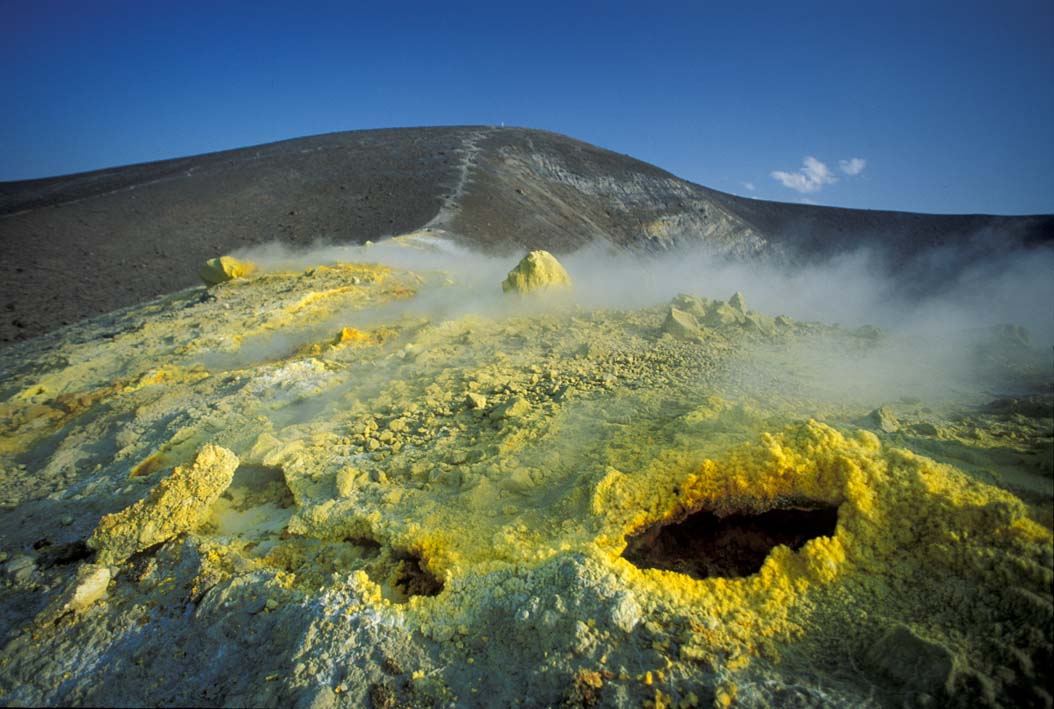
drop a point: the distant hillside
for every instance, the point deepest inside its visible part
(80, 245)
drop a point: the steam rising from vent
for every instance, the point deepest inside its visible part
(935, 296)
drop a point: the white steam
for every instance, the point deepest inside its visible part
(930, 348)
(852, 289)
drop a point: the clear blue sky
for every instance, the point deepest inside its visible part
(950, 105)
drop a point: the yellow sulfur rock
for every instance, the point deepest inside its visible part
(178, 504)
(225, 268)
(538, 270)
(351, 334)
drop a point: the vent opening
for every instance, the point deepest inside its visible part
(411, 578)
(704, 545)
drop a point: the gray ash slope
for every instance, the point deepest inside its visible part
(76, 246)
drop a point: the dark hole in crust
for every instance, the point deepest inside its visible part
(63, 554)
(368, 545)
(704, 545)
(413, 579)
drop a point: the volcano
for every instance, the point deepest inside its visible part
(80, 245)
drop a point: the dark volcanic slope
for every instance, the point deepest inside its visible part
(76, 246)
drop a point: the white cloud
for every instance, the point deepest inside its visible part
(749, 186)
(812, 176)
(853, 166)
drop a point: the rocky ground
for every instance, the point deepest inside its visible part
(355, 484)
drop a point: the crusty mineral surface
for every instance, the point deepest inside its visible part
(538, 270)
(355, 484)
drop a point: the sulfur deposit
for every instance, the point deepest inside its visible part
(538, 270)
(355, 485)
(176, 505)
(225, 268)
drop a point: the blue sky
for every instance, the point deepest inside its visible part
(945, 107)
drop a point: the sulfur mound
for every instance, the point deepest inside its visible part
(538, 270)
(179, 503)
(225, 268)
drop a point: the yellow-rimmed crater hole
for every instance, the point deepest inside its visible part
(705, 545)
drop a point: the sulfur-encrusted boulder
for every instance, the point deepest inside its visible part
(178, 504)
(538, 270)
(225, 268)
(680, 324)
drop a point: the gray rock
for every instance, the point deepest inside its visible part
(20, 569)
(626, 612)
(912, 662)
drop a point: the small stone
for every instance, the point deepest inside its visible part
(21, 568)
(626, 612)
(515, 408)
(475, 401)
(66, 520)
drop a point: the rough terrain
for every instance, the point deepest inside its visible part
(410, 488)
